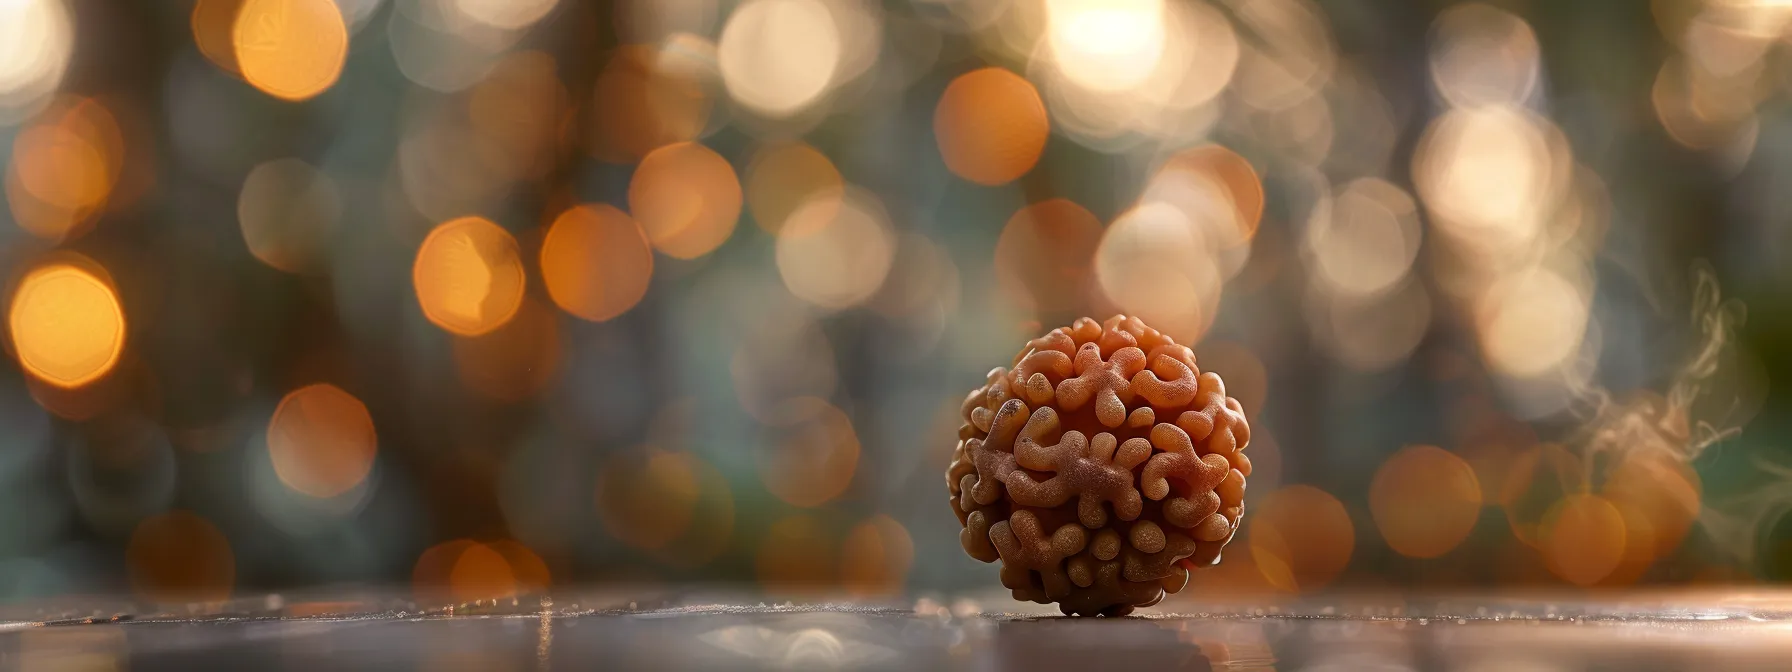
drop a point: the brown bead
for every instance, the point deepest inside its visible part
(1100, 469)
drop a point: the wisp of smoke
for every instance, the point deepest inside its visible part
(1667, 425)
(1700, 408)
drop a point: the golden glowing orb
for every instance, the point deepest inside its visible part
(214, 27)
(290, 49)
(65, 165)
(481, 573)
(686, 197)
(469, 276)
(797, 555)
(876, 557)
(1583, 538)
(991, 126)
(596, 262)
(1301, 537)
(1425, 500)
(321, 440)
(67, 324)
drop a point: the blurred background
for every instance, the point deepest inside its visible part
(481, 297)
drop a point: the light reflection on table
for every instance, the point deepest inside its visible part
(614, 630)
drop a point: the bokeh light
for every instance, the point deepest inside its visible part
(429, 575)
(439, 48)
(527, 569)
(65, 165)
(213, 23)
(468, 276)
(288, 211)
(812, 452)
(861, 26)
(522, 111)
(797, 555)
(1583, 538)
(693, 521)
(448, 166)
(1704, 110)
(67, 323)
(1045, 255)
(290, 49)
(1116, 74)
(839, 262)
(1106, 45)
(1481, 55)
(322, 440)
(1155, 263)
(784, 177)
(505, 14)
(70, 158)
(991, 126)
(1536, 479)
(1215, 188)
(648, 502)
(299, 479)
(1656, 492)
(480, 572)
(875, 557)
(640, 104)
(686, 197)
(1292, 59)
(1200, 56)
(1301, 537)
(36, 39)
(1425, 500)
(596, 262)
(1490, 175)
(778, 57)
(180, 557)
(464, 570)
(1639, 546)
(1530, 323)
(780, 356)
(711, 530)
(1371, 333)
(1366, 240)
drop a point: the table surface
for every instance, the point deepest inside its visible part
(1706, 629)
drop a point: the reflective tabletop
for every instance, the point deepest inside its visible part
(1678, 630)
